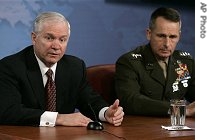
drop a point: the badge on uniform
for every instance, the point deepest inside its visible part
(182, 76)
(175, 86)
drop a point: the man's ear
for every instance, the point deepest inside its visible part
(148, 33)
(33, 38)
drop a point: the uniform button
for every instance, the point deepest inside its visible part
(47, 123)
(150, 92)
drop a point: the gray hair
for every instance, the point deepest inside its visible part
(48, 16)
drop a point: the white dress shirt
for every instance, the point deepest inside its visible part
(49, 118)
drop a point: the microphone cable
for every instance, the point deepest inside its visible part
(104, 131)
(119, 137)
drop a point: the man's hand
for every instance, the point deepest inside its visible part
(114, 114)
(74, 119)
(190, 110)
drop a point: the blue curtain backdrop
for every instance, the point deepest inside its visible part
(101, 30)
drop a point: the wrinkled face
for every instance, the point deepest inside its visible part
(164, 37)
(51, 41)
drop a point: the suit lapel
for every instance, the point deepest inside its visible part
(157, 74)
(152, 65)
(35, 78)
(60, 81)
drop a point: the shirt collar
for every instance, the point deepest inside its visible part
(44, 68)
(166, 61)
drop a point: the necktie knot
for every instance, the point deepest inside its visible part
(49, 73)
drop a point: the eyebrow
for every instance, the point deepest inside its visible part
(55, 36)
(164, 35)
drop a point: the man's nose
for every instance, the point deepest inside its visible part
(167, 41)
(56, 44)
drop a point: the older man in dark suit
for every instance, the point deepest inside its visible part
(23, 99)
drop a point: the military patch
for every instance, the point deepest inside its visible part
(182, 76)
(182, 71)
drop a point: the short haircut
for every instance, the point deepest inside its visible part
(167, 13)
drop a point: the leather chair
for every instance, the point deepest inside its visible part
(101, 78)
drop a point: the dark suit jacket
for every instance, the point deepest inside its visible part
(141, 86)
(22, 96)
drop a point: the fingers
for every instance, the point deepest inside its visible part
(115, 116)
(83, 121)
(115, 104)
(74, 119)
(118, 122)
(190, 110)
(118, 119)
(118, 114)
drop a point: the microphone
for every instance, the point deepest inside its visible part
(95, 125)
(93, 112)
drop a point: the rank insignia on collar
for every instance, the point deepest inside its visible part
(136, 55)
(184, 54)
